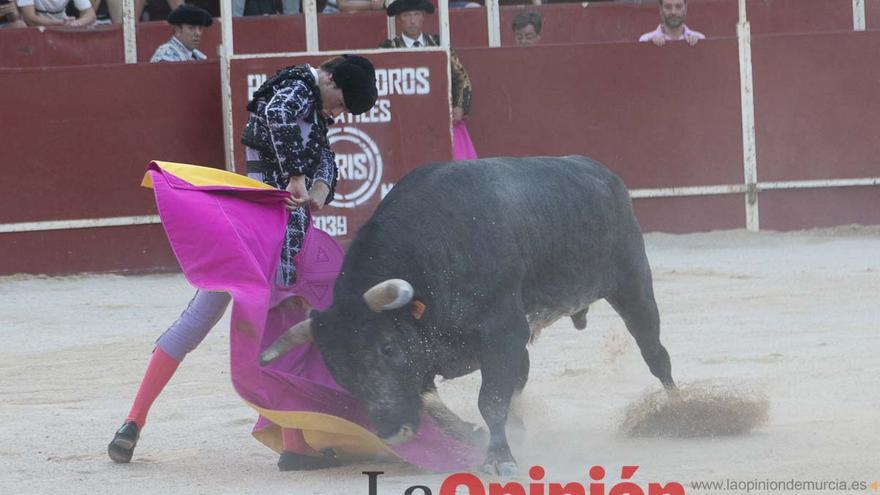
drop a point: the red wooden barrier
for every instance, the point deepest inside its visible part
(815, 99)
(80, 153)
(658, 117)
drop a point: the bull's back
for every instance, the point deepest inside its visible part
(547, 226)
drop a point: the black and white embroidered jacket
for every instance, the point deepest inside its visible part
(287, 129)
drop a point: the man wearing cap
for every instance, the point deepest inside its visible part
(412, 16)
(286, 146)
(189, 21)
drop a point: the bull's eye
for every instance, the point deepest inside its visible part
(387, 349)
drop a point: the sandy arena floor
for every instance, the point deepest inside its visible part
(795, 316)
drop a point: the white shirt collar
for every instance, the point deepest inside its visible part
(409, 41)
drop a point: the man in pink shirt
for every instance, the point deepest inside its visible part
(672, 13)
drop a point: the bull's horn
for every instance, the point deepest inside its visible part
(294, 336)
(390, 294)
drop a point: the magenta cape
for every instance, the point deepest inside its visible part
(226, 231)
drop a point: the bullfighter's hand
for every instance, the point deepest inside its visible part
(457, 114)
(299, 195)
(318, 195)
(691, 39)
(659, 40)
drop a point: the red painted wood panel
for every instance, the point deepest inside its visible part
(142, 248)
(816, 103)
(815, 208)
(690, 214)
(659, 118)
(82, 150)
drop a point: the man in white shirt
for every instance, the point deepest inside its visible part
(9, 17)
(672, 27)
(52, 13)
(189, 21)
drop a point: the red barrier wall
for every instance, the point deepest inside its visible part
(81, 152)
(622, 104)
(659, 118)
(816, 106)
(563, 23)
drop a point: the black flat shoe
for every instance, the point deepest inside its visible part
(299, 462)
(121, 448)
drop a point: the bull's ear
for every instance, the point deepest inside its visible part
(390, 294)
(294, 336)
(417, 309)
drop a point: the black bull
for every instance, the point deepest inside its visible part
(485, 253)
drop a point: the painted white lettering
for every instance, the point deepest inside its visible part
(380, 113)
(394, 77)
(403, 81)
(409, 81)
(352, 166)
(423, 81)
(333, 225)
(386, 188)
(254, 81)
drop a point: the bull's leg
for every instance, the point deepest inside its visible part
(516, 426)
(635, 303)
(449, 421)
(503, 357)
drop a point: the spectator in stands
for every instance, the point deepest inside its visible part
(188, 21)
(264, 7)
(114, 8)
(672, 26)
(527, 28)
(52, 13)
(412, 16)
(9, 17)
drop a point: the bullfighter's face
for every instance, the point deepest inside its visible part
(380, 358)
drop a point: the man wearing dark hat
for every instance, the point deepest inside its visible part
(411, 14)
(188, 21)
(286, 147)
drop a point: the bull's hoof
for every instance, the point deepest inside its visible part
(507, 469)
(580, 319)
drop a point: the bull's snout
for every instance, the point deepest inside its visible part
(404, 434)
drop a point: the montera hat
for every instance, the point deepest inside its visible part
(356, 78)
(400, 6)
(189, 14)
